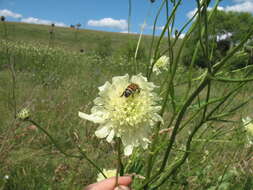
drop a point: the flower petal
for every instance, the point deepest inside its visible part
(102, 132)
(110, 136)
(119, 84)
(98, 101)
(91, 117)
(104, 90)
(128, 150)
(104, 87)
(246, 120)
(145, 142)
(119, 80)
(142, 82)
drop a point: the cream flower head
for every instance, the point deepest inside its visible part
(161, 63)
(23, 114)
(129, 118)
(249, 128)
(108, 173)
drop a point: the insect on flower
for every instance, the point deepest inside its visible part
(131, 90)
(131, 119)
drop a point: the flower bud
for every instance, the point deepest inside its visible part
(23, 114)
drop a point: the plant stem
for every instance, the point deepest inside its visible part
(153, 37)
(62, 151)
(119, 163)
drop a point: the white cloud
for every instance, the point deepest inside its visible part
(144, 25)
(8, 13)
(149, 27)
(240, 6)
(191, 13)
(126, 32)
(159, 27)
(246, 6)
(182, 35)
(109, 23)
(33, 20)
(243, 0)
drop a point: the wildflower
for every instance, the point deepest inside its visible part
(23, 114)
(108, 173)
(249, 128)
(6, 177)
(161, 63)
(129, 118)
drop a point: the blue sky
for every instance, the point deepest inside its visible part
(106, 15)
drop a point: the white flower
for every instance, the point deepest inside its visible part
(161, 63)
(6, 177)
(129, 118)
(108, 173)
(249, 128)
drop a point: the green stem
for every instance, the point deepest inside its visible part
(174, 132)
(221, 79)
(139, 40)
(160, 38)
(129, 15)
(52, 139)
(13, 75)
(153, 36)
(156, 139)
(177, 164)
(120, 170)
(168, 91)
(62, 151)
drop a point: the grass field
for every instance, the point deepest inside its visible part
(54, 79)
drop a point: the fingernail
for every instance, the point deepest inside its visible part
(121, 187)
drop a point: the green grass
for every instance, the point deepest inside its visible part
(69, 39)
(57, 82)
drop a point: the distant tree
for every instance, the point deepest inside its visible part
(236, 24)
(224, 30)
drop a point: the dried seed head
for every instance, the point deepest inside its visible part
(2, 18)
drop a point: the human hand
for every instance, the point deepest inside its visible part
(109, 184)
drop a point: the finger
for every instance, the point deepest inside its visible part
(110, 183)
